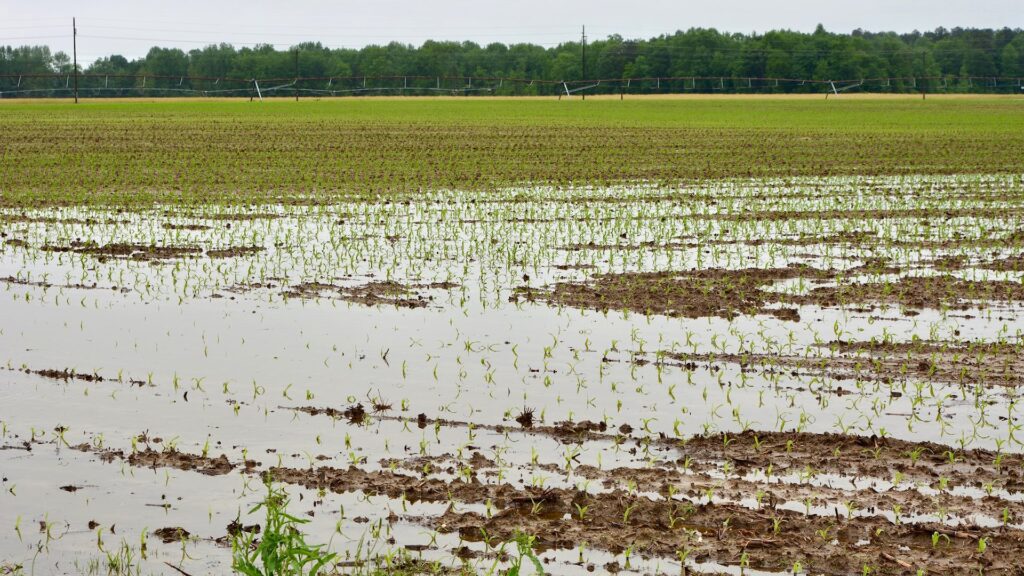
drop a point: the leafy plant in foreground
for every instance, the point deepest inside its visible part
(282, 550)
(524, 546)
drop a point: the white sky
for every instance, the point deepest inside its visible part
(130, 28)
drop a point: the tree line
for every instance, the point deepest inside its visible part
(958, 59)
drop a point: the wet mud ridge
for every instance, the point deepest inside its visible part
(731, 293)
(372, 293)
(917, 292)
(667, 509)
(960, 363)
(145, 252)
(695, 294)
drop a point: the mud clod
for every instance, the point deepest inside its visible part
(525, 418)
(171, 534)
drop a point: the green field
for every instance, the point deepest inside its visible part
(202, 151)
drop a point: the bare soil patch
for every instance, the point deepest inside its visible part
(916, 292)
(988, 364)
(694, 294)
(234, 251)
(126, 251)
(372, 293)
(144, 252)
(1008, 264)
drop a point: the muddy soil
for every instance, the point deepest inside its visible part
(68, 375)
(762, 539)
(1008, 264)
(763, 536)
(190, 227)
(144, 252)
(854, 239)
(149, 458)
(916, 293)
(234, 252)
(927, 463)
(126, 251)
(694, 294)
(374, 293)
(730, 293)
(47, 285)
(957, 363)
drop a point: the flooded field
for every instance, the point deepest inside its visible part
(756, 376)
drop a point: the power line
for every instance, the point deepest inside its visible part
(333, 27)
(9, 38)
(386, 33)
(292, 81)
(633, 46)
(256, 44)
(30, 27)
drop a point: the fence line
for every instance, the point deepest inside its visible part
(14, 85)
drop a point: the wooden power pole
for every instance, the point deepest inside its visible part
(74, 53)
(583, 42)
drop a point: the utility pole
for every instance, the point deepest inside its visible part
(583, 42)
(296, 83)
(924, 72)
(74, 52)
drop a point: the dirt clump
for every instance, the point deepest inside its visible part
(149, 458)
(182, 461)
(190, 227)
(170, 534)
(525, 418)
(236, 528)
(354, 414)
(873, 266)
(949, 263)
(234, 252)
(575, 430)
(66, 375)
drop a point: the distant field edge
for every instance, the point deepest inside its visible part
(574, 97)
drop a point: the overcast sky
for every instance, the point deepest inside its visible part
(131, 27)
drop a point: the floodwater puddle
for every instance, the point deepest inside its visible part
(737, 376)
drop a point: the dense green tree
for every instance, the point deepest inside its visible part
(701, 59)
(1010, 61)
